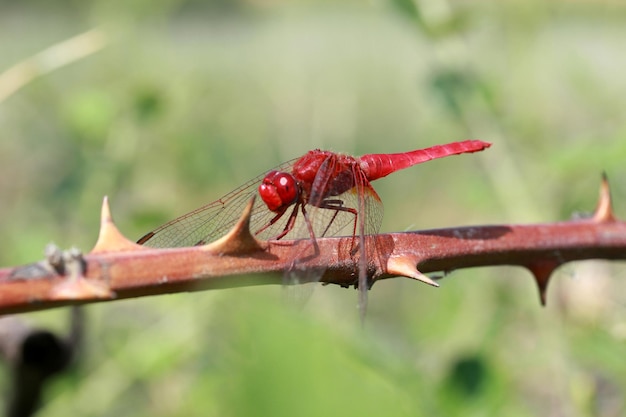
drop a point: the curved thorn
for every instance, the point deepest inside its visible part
(110, 239)
(604, 209)
(542, 271)
(405, 267)
(238, 240)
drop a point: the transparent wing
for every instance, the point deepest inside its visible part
(340, 215)
(214, 220)
(336, 220)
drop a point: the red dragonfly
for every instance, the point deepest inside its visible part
(317, 195)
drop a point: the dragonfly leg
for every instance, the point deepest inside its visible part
(288, 227)
(337, 206)
(290, 223)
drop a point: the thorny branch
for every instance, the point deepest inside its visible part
(117, 268)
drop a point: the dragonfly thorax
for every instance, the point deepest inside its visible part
(279, 190)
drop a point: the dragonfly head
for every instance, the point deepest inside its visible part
(279, 190)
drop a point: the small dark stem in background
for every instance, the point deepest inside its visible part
(33, 356)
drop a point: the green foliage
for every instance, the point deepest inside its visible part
(190, 99)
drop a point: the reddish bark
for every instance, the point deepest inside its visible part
(117, 268)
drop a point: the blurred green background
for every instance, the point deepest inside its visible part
(174, 103)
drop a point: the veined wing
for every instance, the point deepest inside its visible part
(214, 220)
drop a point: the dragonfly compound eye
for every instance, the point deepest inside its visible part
(278, 190)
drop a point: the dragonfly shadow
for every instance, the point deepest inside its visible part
(305, 250)
(262, 255)
(469, 232)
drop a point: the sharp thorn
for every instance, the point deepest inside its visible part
(405, 267)
(542, 271)
(110, 239)
(238, 240)
(604, 209)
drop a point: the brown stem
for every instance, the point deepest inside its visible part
(117, 268)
